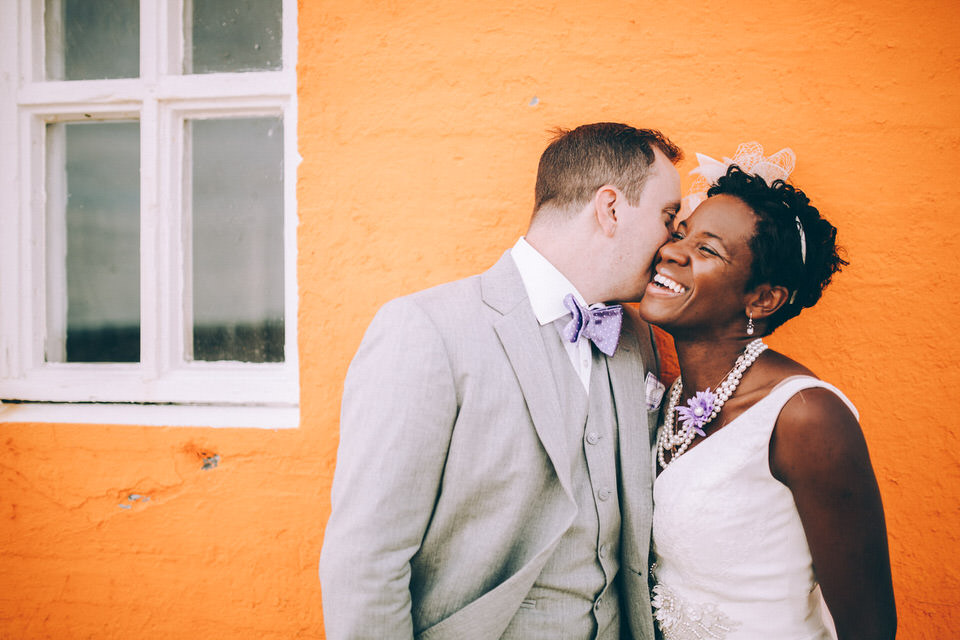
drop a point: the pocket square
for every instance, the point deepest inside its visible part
(654, 392)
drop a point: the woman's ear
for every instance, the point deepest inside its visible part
(765, 300)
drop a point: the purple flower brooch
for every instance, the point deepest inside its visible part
(698, 412)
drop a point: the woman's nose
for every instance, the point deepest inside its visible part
(673, 252)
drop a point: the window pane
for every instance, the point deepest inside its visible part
(233, 35)
(95, 222)
(89, 40)
(237, 239)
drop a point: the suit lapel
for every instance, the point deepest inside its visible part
(519, 333)
(628, 368)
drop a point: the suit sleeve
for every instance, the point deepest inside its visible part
(399, 406)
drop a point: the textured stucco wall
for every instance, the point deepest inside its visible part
(420, 126)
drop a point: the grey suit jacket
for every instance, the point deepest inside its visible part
(448, 497)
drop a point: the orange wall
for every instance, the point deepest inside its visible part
(421, 122)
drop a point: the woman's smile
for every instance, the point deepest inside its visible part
(663, 282)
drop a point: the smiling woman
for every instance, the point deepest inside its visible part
(785, 492)
(703, 269)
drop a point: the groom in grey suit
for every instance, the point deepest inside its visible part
(493, 477)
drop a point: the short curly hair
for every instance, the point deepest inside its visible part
(776, 244)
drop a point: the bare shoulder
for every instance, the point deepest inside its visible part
(816, 436)
(780, 367)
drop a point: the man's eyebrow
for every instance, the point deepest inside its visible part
(675, 206)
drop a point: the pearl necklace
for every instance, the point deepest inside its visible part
(703, 408)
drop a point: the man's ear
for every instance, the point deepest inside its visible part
(765, 300)
(605, 202)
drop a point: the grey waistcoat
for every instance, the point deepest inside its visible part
(575, 595)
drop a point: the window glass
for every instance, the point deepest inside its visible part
(91, 40)
(237, 224)
(233, 35)
(93, 236)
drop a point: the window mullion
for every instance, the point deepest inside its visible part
(152, 31)
(33, 196)
(152, 302)
(291, 162)
(184, 314)
(55, 245)
(152, 249)
(170, 258)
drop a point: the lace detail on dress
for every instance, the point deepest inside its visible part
(681, 620)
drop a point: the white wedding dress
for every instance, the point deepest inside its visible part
(731, 560)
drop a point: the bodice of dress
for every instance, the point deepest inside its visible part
(731, 558)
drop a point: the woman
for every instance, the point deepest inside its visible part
(764, 484)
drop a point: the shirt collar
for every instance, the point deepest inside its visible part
(546, 286)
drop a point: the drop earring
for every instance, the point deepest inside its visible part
(749, 323)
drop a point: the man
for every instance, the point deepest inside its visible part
(493, 475)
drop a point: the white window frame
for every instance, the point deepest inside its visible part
(160, 99)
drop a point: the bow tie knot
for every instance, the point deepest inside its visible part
(600, 325)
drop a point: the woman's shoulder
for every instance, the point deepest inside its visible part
(816, 430)
(780, 367)
(803, 391)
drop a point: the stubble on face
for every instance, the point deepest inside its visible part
(647, 226)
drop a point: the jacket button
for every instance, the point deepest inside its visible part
(593, 437)
(603, 494)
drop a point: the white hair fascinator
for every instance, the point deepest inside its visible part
(750, 158)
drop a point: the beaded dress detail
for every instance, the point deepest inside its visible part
(731, 558)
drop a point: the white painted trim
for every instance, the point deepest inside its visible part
(160, 98)
(153, 415)
(55, 244)
(212, 86)
(12, 183)
(197, 382)
(291, 165)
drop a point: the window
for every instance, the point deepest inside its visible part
(148, 216)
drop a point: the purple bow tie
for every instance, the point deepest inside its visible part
(601, 325)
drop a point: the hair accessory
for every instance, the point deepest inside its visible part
(700, 409)
(803, 253)
(750, 158)
(749, 323)
(803, 242)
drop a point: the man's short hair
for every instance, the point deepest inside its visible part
(579, 161)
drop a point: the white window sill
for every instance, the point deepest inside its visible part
(256, 417)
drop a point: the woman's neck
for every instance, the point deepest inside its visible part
(705, 362)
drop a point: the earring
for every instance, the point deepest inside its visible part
(750, 323)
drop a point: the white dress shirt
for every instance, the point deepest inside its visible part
(546, 288)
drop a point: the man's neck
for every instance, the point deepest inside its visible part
(573, 255)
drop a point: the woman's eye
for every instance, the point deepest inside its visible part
(708, 250)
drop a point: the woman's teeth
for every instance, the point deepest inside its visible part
(664, 281)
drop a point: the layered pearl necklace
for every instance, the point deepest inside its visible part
(700, 409)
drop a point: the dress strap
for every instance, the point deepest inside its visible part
(789, 387)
